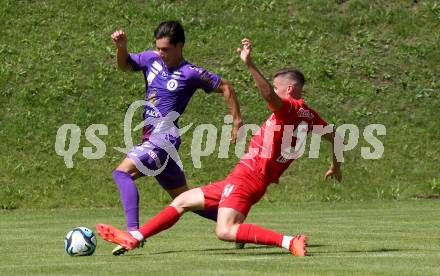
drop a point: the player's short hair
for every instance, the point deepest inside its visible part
(293, 74)
(171, 29)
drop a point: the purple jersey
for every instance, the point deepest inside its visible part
(168, 91)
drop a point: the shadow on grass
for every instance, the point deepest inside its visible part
(379, 250)
(250, 250)
(232, 250)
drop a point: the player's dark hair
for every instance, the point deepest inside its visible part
(292, 74)
(171, 29)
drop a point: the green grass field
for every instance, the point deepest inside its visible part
(366, 62)
(380, 238)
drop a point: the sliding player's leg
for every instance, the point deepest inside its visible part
(235, 204)
(187, 201)
(173, 180)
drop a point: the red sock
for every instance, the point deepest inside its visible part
(250, 233)
(162, 221)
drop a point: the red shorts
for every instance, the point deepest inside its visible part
(239, 191)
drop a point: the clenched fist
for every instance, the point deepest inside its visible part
(119, 38)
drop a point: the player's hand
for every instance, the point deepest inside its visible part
(245, 52)
(119, 38)
(334, 172)
(234, 135)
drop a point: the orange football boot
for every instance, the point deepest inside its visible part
(114, 235)
(298, 246)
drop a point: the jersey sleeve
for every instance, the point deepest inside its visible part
(205, 80)
(317, 120)
(140, 61)
(287, 109)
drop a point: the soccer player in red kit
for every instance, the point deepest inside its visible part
(272, 149)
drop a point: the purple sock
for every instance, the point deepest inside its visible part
(129, 198)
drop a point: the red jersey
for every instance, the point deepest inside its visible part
(280, 140)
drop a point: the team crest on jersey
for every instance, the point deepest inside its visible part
(172, 85)
(303, 113)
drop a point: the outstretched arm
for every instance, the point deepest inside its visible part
(233, 105)
(119, 38)
(266, 90)
(335, 168)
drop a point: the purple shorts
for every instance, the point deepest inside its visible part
(154, 159)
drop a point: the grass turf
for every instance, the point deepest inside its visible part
(365, 62)
(396, 237)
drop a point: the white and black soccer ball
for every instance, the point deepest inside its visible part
(80, 241)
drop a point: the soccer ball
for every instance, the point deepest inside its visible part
(80, 241)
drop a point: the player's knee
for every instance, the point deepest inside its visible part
(181, 203)
(128, 167)
(224, 233)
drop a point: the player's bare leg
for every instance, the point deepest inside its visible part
(128, 166)
(228, 222)
(228, 229)
(190, 200)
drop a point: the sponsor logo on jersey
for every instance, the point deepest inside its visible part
(303, 113)
(282, 160)
(152, 113)
(152, 99)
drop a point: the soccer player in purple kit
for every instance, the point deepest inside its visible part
(170, 83)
